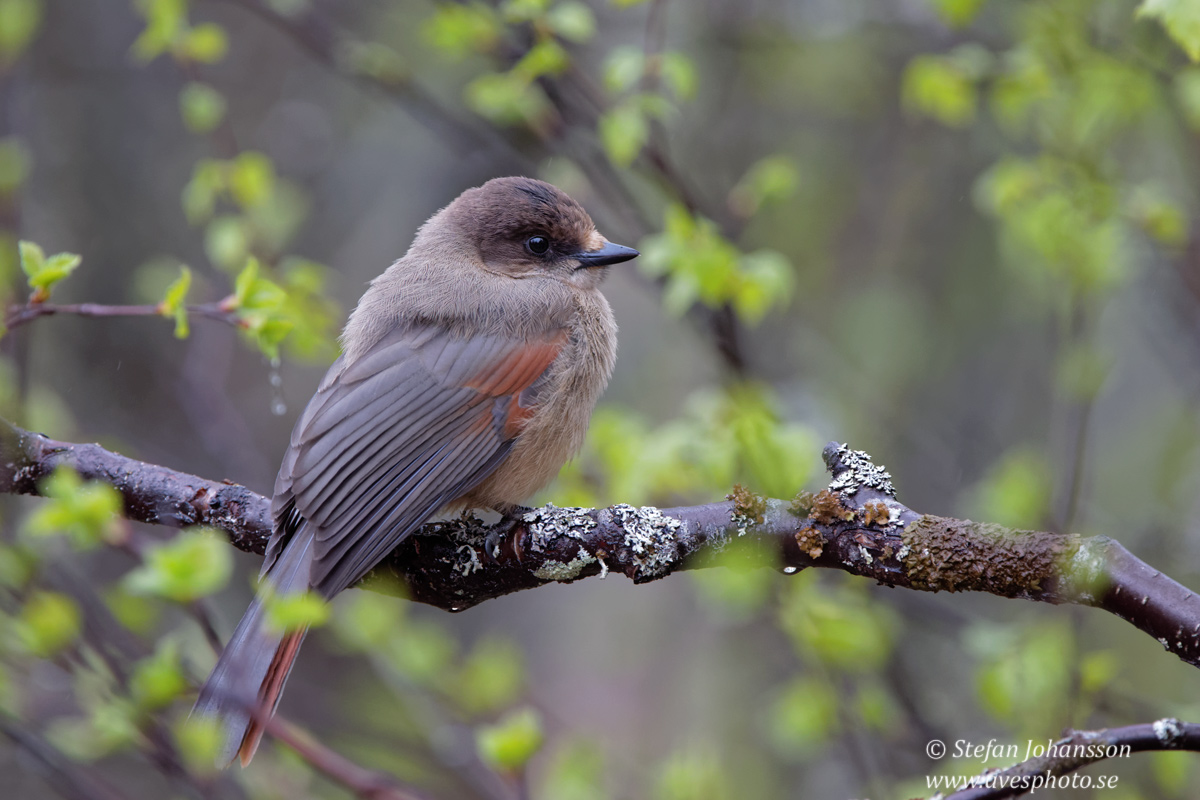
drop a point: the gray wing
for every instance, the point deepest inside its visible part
(412, 425)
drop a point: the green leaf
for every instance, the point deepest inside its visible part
(623, 132)
(768, 180)
(1098, 669)
(293, 612)
(733, 595)
(693, 774)
(32, 258)
(159, 679)
(957, 13)
(1017, 490)
(43, 273)
(1060, 222)
(48, 622)
(18, 565)
(623, 68)
(260, 304)
(837, 625)
(490, 678)
(109, 727)
(165, 21)
(1158, 216)
(939, 87)
(201, 106)
(275, 220)
(1173, 772)
(206, 43)
(364, 619)
(572, 20)
(199, 740)
(135, 612)
(576, 772)
(85, 512)
(544, 58)
(314, 315)
(679, 74)
(227, 241)
(57, 267)
(1181, 18)
(270, 333)
(201, 192)
(803, 717)
(510, 743)
(459, 30)
(190, 566)
(424, 654)
(1026, 681)
(523, 10)
(876, 708)
(505, 97)
(19, 22)
(251, 178)
(174, 303)
(15, 164)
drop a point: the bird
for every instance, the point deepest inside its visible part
(468, 374)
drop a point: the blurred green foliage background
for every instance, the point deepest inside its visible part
(959, 234)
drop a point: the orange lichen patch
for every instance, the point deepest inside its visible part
(827, 509)
(952, 555)
(875, 513)
(518, 368)
(812, 544)
(748, 506)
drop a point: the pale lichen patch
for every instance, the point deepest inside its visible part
(857, 470)
(650, 536)
(468, 561)
(551, 570)
(1168, 731)
(550, 522)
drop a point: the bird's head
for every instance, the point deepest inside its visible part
(526, 228)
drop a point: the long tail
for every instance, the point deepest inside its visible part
(252, 670)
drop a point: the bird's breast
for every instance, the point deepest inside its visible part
(552, 430)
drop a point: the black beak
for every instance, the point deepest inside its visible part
(609, 254)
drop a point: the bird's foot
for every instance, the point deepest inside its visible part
(506, 537)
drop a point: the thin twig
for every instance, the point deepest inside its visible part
(24, 314)
(366, 783)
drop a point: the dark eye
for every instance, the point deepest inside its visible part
(538, 245)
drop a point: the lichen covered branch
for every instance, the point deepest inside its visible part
(855, 525)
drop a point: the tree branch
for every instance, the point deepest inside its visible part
(1075, 750)
(365, 783)
(855, 525)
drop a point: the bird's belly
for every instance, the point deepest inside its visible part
(549, 439)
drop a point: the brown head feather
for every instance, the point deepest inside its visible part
(500, 216)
